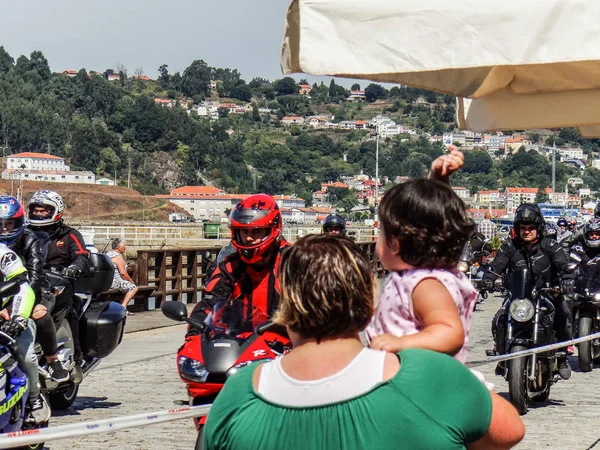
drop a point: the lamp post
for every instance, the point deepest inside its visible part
(376, 215)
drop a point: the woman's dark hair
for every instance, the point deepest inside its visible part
(429, 221)
(327, 287)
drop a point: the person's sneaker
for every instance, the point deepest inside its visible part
(500, 369)
(57, 371)
(564, 369)
(40, 411)
(570, 350)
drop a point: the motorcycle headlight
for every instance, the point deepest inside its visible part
(237, 367)
(192, 370)
(463, 267)
(521, 310)
(597, 296)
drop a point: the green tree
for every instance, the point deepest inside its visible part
(196, 79)
(348, 202)
(355, 87)
(375, 91)
(6, 61)
(477, 161)
(541, 196)
(285, 86)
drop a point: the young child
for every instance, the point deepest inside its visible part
(425, 301)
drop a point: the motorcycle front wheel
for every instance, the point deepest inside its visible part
(517, 380)
(584, 349)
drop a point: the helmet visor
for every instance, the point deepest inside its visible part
(248, 215)
(40, 212)
(8, 227)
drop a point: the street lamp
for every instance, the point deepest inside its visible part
(376, 215)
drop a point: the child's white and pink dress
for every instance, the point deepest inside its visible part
(395, 314)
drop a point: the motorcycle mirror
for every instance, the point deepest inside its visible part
(264, 327)
(9, 288)
(174, 310)
(206, 256)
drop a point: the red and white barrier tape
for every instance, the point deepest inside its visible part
(23, 438)
(531, 351)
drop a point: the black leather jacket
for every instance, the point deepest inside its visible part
(31, 247)
(547, 260)
(67, 247)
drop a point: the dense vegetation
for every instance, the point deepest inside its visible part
(104, 126)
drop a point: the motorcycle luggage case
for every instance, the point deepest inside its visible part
(100, 276)
(102, 328)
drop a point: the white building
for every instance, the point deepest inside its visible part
(570, 153)
(105, 182)
(53, 176)
(462, 192)
(35, 161)
(596, 163)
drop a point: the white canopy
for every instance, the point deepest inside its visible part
(513, 64)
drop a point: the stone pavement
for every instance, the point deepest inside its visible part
(568, 420)
(150, 320)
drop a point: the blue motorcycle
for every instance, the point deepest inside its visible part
(14, 386)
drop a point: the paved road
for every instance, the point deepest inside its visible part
(141, 376)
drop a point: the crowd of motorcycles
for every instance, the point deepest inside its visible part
(529, 323)
(102, 324)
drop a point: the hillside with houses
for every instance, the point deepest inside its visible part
(206, 127)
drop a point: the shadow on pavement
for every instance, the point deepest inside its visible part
(85, 403)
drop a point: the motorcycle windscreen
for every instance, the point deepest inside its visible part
(587, 278)
(520, 283)
(467, 253)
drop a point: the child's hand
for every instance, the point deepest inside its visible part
(446, 165)
(387, 342)
(4, 314)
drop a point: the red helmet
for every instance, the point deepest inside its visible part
(255, 212)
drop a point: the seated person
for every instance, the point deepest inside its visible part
(122, 281)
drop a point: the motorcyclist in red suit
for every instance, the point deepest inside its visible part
(251, 273)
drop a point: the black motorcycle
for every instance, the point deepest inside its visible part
(585, 308)
(527, 322)
(101, 327)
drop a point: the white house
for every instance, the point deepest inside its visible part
(35, 161)
(357, 95)
(53, 176)
(105, 181)
(462, 192)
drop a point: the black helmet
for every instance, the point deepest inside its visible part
(334, 221)
(529, 213)
(562, 222)
(592, 225)
(597, 210)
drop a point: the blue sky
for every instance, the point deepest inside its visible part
(144, 34)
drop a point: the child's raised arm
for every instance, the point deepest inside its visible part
(442, 328)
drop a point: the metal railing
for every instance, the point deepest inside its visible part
(197, 235)
(177, 274)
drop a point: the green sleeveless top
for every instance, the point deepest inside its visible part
(433, 402)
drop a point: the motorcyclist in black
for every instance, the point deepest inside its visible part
(334, 224)
(578, 235)
(547, 261)
(66, 252)
(31, 249)
(588, 252)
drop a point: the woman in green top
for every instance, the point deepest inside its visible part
(332, 393)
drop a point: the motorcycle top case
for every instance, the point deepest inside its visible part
(102, 327)
(100, 276)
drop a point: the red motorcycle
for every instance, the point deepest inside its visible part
(230, 338)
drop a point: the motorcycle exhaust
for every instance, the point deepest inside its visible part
(88, 367)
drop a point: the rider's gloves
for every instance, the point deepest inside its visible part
(14, 326)
(72, 271)
(487, 284)
(568, 288)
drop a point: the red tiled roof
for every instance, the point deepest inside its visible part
(197, 190)
(34, 155)
(522, 190)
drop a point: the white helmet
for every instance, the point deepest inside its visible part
(48, 199)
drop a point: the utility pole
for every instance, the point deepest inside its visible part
(49, 148)
(554, 167)
(129, 173)
(376, 215)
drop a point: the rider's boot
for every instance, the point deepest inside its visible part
(39, 409)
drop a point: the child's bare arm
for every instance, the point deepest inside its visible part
(434, 307)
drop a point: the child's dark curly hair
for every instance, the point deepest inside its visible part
(429, 221)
